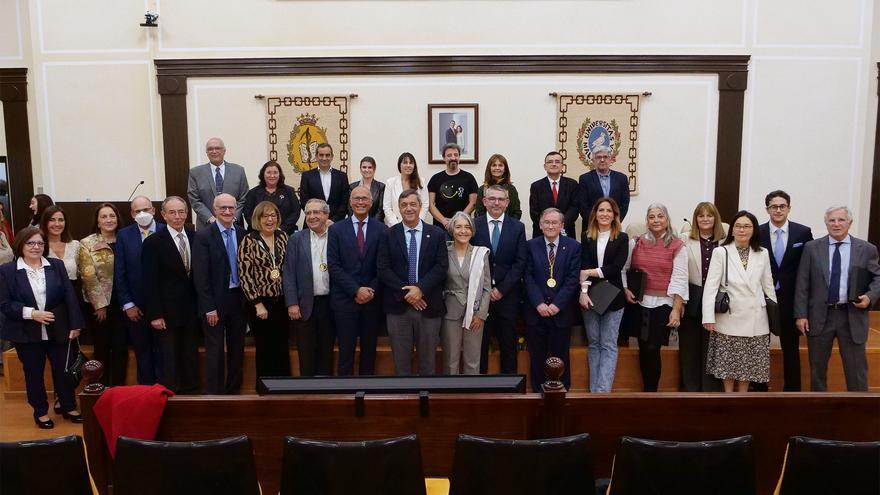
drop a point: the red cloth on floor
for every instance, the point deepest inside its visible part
(133, 411)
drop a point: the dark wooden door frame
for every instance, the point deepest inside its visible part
(732, 72)
(874, 208)
(13, 94)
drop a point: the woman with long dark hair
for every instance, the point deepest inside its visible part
(498, 173)
(272, 188)
(407, 179)
(38, 205)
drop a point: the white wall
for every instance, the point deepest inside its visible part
(810, 105)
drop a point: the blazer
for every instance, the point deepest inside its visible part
(296, 273)
(566, 273)
(128, 281)
(284, 198)
(614, 257)
(169, 292)
(393, 269)
(786, 275)
(377, 192)
(811, 290)
(16, 294)
(508, 264)
(201, 190)
(349, 270)
(210, 268)
(96, 270)
(746, 287)
(255, 266)
(310, 188)
(568, 202)
(393, 188)
(591, 190)
(455, 291)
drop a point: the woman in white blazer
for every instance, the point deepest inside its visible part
(408, 179)
(739, 346)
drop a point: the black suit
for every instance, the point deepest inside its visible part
(591, 190)
(568, 202)
(784, 277)
(211, 272)
(310, 188)
(169, 293)
(507, 265)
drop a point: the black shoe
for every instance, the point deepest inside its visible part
(44, 425)
(76, 418)
(57, 406)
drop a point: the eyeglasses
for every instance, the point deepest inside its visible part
(268, 215)
(777, 207)
(496, 200)
(32, 244)
(360, 199)
(739, 226)
(226, 208)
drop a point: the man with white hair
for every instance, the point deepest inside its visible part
(208, 180)
(602, 182)
(838, 281)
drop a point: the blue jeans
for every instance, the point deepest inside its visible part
(602, 351)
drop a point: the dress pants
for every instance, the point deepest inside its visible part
(855, 362)
(223, 374)
(110, 338)
(547, 340)
(33, 360)
(271, 338)
(412, 328)
(693, 346)
(351, 326)
(502, 324)
(314, 340)
(146, 349)
(461, 348)
(178, 350)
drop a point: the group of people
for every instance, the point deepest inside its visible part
(367, 255)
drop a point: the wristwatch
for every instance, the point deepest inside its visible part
(585, 286)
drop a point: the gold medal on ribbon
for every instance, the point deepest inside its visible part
(322, 267)
(551, 283)
(275, 274)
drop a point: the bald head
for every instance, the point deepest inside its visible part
(360, 200)
(224, 209)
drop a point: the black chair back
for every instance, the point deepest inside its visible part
(391, 467)
(186, 468)
(830, 467)
(56, 465)
(720, 467)
(485, 466)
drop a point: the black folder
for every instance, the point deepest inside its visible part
(636, 281)
(603, 293)
(859, 281)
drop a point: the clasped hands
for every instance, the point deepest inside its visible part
(414, 297)
(547, 310)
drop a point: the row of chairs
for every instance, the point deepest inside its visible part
(481, 466)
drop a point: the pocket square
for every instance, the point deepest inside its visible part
(797, 245)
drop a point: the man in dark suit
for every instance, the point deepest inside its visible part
(170, 298)
(412, 264)
(325, 183)
(602, 182)
(352, 248)
(450, 133)
(554, 191)
(306, 281)
(785, 241)
(825, 305)
(551, 279)
(220, 300)
(217, 176)
(505, 237)
(128, 283)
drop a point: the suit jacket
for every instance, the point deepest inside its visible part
(96, 270)
(508, 264)
(591, 190)
(169, 292)
(394, 272)
(786, 275)
(811, 290)
(128, 282)
(310, 188)
(349, 270)
(566, 272)
(296, 274)
(455, 291)
(568, 202)
(746, 287)
(377, 192)
(613, 259)
(16, 294)
(201, 190)
(211, 270)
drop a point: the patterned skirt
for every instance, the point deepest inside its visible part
(739, 358)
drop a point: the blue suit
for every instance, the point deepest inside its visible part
(591, 190)
(551, 336)
(507, 265)
(350, 271)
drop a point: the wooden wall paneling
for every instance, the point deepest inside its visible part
(13, 94)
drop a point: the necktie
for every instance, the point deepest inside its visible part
(551, 256)
(555, 193)
(779, 248)
(230, 254)
(496, 234)
(834, 283)
(145, 233)
(412, 254)
(360, 238)
(218, 180)
(184, 252)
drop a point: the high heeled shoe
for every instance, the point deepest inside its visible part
(57, 406)
(44, 425)
(76, 418)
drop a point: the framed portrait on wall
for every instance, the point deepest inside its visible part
(454, 123)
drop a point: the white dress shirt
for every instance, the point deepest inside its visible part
(320, 279)
(326, 180)
(176, 239)
(37, 279)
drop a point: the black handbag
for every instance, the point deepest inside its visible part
(773, 317)
(74, 363)
(722, 298)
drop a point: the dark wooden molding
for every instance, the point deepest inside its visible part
(732, 72)
(13, 94)
(874, 209)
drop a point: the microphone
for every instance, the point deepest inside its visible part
(139, 184)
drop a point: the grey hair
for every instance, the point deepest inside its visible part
(828, 212)
(222, 144)
(407, 193)
(323, 204)
(553, 210)
(448, 146)
(173, 198)
(669, 236)
(602, 147)
(217, 198)
(458, 216)
(497, 188)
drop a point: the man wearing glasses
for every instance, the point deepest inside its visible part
(602, 182)
(785, 241)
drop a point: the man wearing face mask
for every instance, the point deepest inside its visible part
(128, 284)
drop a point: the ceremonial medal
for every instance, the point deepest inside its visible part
(551, 283)
(275, 274)
(322, 267)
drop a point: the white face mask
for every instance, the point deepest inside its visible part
(144, 219)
